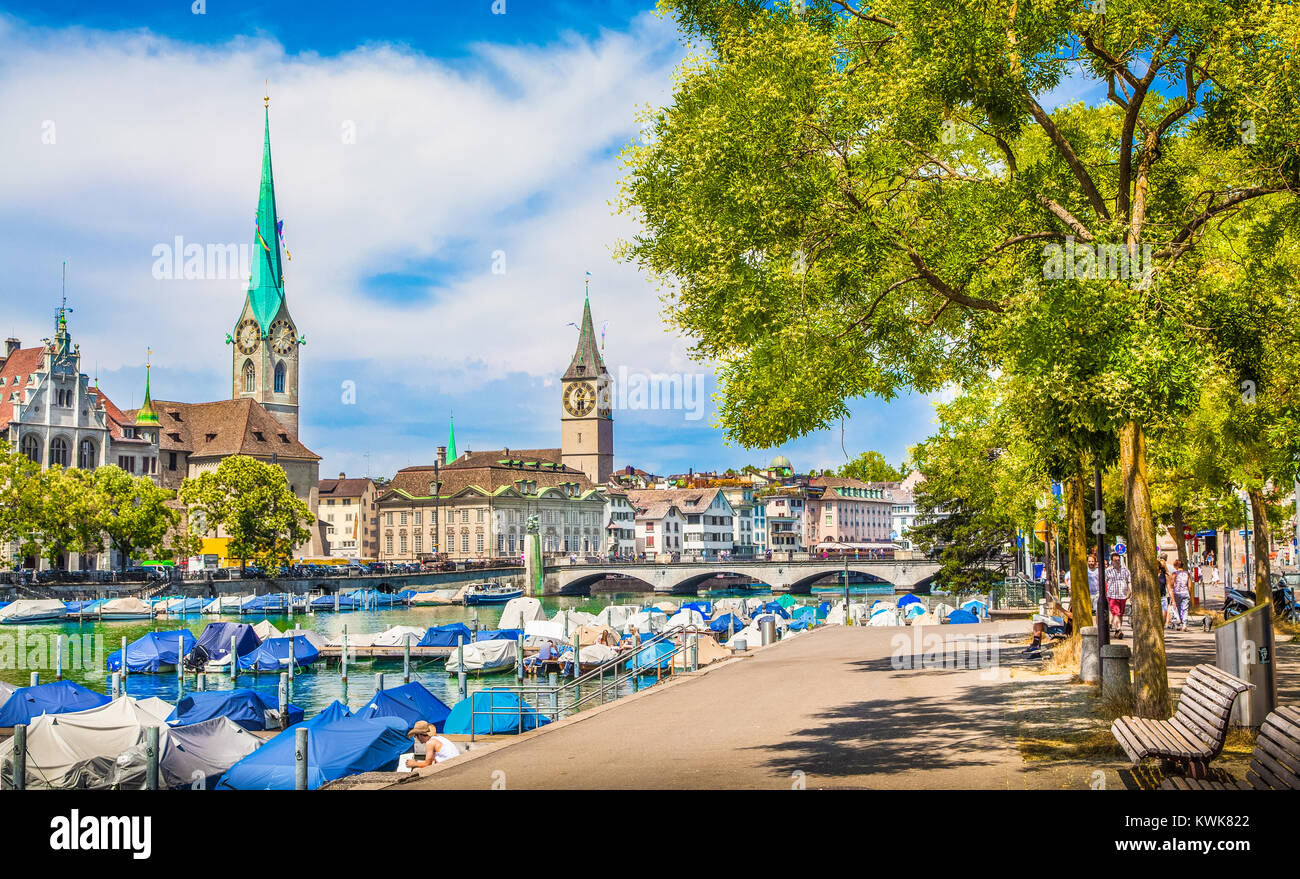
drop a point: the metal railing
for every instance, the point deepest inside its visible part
(605, 680)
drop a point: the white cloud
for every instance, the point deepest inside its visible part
(154, 138)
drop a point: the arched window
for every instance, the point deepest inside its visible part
(250, 376)
(59, 452)
(279, 377)
(86, 455)
(32, 448)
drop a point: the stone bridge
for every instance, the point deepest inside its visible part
(683, 578)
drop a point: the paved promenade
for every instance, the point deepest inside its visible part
(827, 709)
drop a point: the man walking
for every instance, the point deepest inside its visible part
(1118, 588)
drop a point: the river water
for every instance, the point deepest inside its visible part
(24, 649)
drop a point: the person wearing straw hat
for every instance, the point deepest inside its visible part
(434, 747)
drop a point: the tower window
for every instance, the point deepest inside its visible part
(250, 376)
(32, 448)
(279, 377)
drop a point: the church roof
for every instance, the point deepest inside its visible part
(223, 428)
(688, 500)
(266, 285)
(344, 487)
(486, 471)
(587, 362)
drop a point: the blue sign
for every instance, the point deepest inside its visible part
(1120, 548)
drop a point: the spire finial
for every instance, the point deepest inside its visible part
(266, 94)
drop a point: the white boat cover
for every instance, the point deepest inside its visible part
(225, 603)
(484, 656)
(572, 619)
(688, 617)
(159, 708)
(750, 635)
(646, 622)
(33, 609)
(942, 610)
(616, 615)
(546, 630)
(519, 611)
(393, 637)
(753, 604)
(886, 616)
(265, 629)
(737, 606)
(126, 605)
(667, 607)
(594, 655)
(925, 619)
(105, 746)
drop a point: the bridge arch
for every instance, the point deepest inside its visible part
(803, 585)
(691, 583)
(581, 585)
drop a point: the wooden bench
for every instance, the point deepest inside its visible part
(1195, 734)
(1274, 764)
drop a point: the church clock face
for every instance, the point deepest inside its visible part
(247, 336)
(579, 399)
(282, 337)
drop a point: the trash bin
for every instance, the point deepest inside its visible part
(1243, 646)
(768, 630)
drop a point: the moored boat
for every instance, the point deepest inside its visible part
(491, 593)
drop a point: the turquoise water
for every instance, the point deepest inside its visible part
(24, 649)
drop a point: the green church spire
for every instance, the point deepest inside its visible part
(266, 285)
(587, 361)
(451, 441)
(147, 415)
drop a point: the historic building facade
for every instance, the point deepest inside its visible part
(347, 507)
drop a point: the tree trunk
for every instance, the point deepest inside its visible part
(1263, 541)
(1077, 531)
(1150, 678)
(1179, 529)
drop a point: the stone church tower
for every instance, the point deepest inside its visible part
(265, 342)
(586, 420)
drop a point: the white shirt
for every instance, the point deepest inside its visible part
(1118, 583)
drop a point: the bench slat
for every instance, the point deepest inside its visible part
(1202, 746)
(1161, 732)
(1135, 751)
(1278, 762)
(1196, 717)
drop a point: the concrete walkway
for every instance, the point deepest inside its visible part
(829, 709)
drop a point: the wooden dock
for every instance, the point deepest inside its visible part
(358, 654)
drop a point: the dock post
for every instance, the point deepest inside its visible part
(519, 659)
(300, 758)
(125, 670)
(117, 684)
(553, 680)
(35, 679)
(20, 757)
(343, 657)
(695, 652)
(200, 682)
(234, 660)
(462, 685)
(475, 628)
(379, 682)
(180, 666)
(151, 758)
(58, 659)
(577, 656)
(284, 700)
(406, 658)
(293, 656)
(336, 601)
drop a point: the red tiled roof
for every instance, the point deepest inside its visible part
(343, 487)
(21, 364)
(223, 428)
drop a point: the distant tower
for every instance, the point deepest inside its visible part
(586, 422)
(265, 343)
(451, 440)
(147, 415)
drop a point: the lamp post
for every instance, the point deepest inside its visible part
(1099, 526)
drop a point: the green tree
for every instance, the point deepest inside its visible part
(133, 512)
(249, 502)
(864, 199)
(63, 516)
(18, 497)
(872, 467)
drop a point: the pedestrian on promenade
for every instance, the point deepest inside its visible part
(1180, 593)
(1166, 587)
(1094, 583)
(1118, 588)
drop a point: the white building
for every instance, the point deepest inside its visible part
(51, 413)
(660, 527)
(620, 525)
(708, 513)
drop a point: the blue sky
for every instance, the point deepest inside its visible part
(473, 136)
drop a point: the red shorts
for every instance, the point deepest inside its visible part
(1117, 606)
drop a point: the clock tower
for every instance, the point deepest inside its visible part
(265, 342)
(586, 421)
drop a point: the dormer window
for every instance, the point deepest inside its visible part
(210, 437)
(257, 434)
(284, 438)
(128, 432)
(176, 416)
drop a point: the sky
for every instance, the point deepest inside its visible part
(445, 175)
